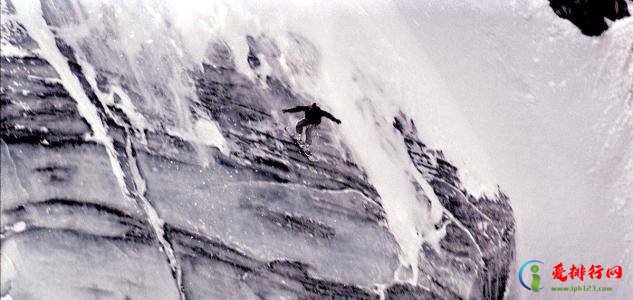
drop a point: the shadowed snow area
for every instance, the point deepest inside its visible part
(145, 155)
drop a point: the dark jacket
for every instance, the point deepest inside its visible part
(313, 113)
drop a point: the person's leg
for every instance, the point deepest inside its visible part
(309, 131)
(302, 123)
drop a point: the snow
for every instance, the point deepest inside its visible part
(61, 254)
(6, 48)
(350, 81)
(30, 15)
(230, 218)
(94, 180)
(117, 98)
(536, 92)
(12, 51)
(378, 148)
(18, 227)
(8, 273)
(208, 133)
(511, 93)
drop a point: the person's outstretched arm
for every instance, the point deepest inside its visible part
(331, 117)
(297, 108)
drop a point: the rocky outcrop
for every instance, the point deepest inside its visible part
(479, 229)
(589, 15)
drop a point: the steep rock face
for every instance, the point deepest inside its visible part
(479, 230)
(104, 196)
(589, 15)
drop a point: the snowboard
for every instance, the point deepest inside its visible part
(302, 146)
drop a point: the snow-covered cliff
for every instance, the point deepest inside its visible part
(143, 159)
(145, 156)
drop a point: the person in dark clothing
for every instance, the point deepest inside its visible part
(311, 120)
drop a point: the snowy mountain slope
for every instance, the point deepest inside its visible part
(553, 107)
(144, 156)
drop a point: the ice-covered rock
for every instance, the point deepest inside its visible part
(111, 186)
